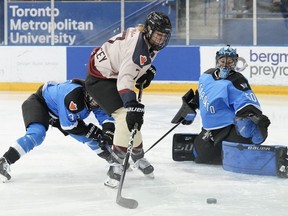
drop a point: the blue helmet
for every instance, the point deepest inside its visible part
(226, 60)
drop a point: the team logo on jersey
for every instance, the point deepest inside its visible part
(73, 106)
(143, 59)
(244, 85)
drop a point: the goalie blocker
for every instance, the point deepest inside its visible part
(238, 157)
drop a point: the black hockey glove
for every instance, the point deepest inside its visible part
(146, 78)
(56, 123)
(93, 132)
(187, 113)
(135, 113)
(107, 135)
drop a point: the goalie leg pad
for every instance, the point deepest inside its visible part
(182, 148)
(255, 159)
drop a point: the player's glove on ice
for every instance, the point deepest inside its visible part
(146, 78)
(108, 129)
(135, 113)
(93, 132)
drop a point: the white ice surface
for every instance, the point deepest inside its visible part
(65, 178)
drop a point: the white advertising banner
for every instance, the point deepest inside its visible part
(266, 65)
(32, 64)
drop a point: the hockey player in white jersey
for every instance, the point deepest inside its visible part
(64, 106)
(114, 69)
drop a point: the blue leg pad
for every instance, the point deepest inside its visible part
(254, 159)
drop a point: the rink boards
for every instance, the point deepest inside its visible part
(24, 68)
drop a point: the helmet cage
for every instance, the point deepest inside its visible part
(90, 102)
(157, 22)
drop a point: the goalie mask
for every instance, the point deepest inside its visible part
(157, 30)
(226, 61)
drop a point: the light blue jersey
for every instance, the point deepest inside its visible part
(54, 95)
(221, 99)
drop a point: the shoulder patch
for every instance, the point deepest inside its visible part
(141, 55)
(239, 81)
(73, 106)
(74, 100)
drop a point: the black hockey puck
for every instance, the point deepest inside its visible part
(211, 200)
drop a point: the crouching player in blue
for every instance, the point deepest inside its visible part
(64, 106)
(233, 123)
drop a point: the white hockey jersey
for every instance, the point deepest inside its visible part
(124, 57)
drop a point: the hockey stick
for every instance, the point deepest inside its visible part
(120, 200)
(189, 95)
(164, 136)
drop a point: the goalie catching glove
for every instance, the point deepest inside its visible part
(253, 126)
(146, 78)
(187, 113)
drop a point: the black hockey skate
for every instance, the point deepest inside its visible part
(114, 175)
(4, 169)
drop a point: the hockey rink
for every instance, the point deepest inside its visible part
(63, 177)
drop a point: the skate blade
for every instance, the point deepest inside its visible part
(3, 178)
(111, 183)
(150, 175)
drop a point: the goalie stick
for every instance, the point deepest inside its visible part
(120, 200)
(181, 113)
(152, 146)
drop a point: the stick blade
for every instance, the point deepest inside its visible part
(126, 202)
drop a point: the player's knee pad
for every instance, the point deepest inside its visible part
(34, 136)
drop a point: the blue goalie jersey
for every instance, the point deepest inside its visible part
(221, 99)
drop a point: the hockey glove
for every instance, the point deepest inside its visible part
(107, 135)
(187, 113)
(93, 132)
(254, 127)
(146, 78)
(189, 118)
(56, 123)
(135, 113)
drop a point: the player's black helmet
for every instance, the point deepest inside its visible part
(157, 21)
(88, 100)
